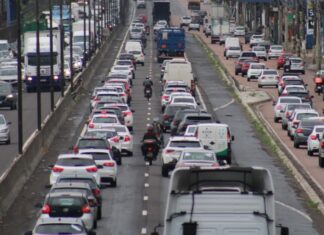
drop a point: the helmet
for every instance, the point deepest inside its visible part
(156, 119)
(147, 77)
(149, 128)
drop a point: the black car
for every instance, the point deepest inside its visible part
(179, 116)
(8, 97)
(304, 95)
(192, 119)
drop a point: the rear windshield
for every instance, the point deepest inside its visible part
(298, 106)
(185, 144)
(296, 61)
(311, 123)
(59, 229)
(79, 180)
(270, 72)
(258, 36)
(198, 156)
(104, 120)
(82, 190)
(197, 118)
(257, 66)
(171, 110)
(92, 143)
(234, 48)
(319, 129)
(302, 116)
(183, 100)
(259, 49)
(276, 48)
(74, 162)
(100, 156)
(293, 82)
(63, 206)
(289, 100)
(248, 54)
(298, 94)
(295, 88)
(120, 128)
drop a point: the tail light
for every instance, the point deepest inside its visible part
(123, 94)
(92, 169)
(127, 113)
(322, 144)
(170, 151)
(126, 138)
(46, 209)
(287, 114)
(299, 131)
(115, 139)
(313, 137)
(96, 99)
(57, 169)
(96, 192)
(165, 97)
(163, 46)
(279, 107)
(86, 209)
(109, 164)
(166, 117)
(175, 122)
(215, 165)
(75, 149)
(91, 125)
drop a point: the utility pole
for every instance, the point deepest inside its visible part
(279, 23)
(286, 27)
(318, 36)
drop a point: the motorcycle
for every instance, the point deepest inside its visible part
(150, 150)
(148, 93)
(318, 88)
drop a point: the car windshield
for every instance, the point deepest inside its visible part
(289, 100)
(302, 116)
(92, 143)
(296, 61)
(198, 118)
(74, 162)
(104, 120)
(248, 54)
(257, 66)
(270, 72)
(199, 156)
(8, 71)
(59, 228)
(185, 144)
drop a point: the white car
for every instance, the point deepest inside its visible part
(9, 74)
(165, 98)
(268, 77)
(127, 112)
(184, 99)
(233, 52)
(103, 95)
(314, 139)
(280, 104)
(109, 133)
(122, 69)
(161, 24)
(74, 164)
(296, 117)
(103, 121)
(207, 29)
(261, 52)
(194, 25)
(292, 88)
(171, 153)
(239, 31)
(107, 167)
(275, 51)
(185, 21)
(139, 56)
(4, 130)
(254, 71)
(255, 39)
(197, 158)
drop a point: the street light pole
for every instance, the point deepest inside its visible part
(84, 35)
(318, 36)
(71, 48)
(20, 120)
(62, 48)
(39, 100)
(89, 30)
(94, 24)
(51, 59)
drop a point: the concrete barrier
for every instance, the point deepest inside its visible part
(23, 166)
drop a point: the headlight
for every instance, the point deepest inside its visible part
(56, 77)
(10, 96)
(3, 130)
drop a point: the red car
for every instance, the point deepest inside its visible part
(282, 60)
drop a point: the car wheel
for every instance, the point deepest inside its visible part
(13, 106)
(284, 127)
(265, 59)
(99, 213)
(291, 137)
(95, 224)
(278, 67)
(248, 79)
(296, 145)
(119, 162)
(165, 171)
(236, 73)
(226, 58)
(310, 153)
(275, 119)
(114, 183)
(143, 64)
(8, 141)
(321, 161)
(130, 154)
(260, 86)
(303, 72)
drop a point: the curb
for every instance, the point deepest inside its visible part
(258, 117)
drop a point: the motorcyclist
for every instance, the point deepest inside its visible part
(318, 80)
(147, 85)
(150, 135)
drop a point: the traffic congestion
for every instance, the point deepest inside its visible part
(155, 143)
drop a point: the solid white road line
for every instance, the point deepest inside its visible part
(143, 231)
(200, 98)
(224, 106)
(295, 210)
(144, 212)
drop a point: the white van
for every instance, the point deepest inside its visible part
(133, 46)
(214, 136)
(231, 42)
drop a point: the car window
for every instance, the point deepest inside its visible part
(74, 162)
(234, 48)
(199, 156)
(5, 88)
(86, 143)
(270, 72)
(185, 144)
(80, 180)
(104, 120)
(302, 116)
(59, 228)
(289, 100)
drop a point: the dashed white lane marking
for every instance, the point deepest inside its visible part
(144, 212)
(145, 198)
(149, 114)
(295, 210)
(143, 231)
(147, 163)
(149, 103)
(224, 106)
(146, 185)
(148, 119)
(146, 174)
(149, 108)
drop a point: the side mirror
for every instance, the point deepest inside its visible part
(133, 111)
(274, 103)
(233, 138)
(206, 147)
(284, 231)
(9, 123)
(29, 233)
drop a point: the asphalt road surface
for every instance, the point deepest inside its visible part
(138, 202)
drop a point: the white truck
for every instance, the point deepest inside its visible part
(221, 201)
(220, 29)
(30, 59)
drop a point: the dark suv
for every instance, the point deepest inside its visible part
(179, 116)
(304, 129)
(8, 97)
(191, 119)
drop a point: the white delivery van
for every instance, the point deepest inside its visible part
(231, 42)
(214, 136)
(133, 46)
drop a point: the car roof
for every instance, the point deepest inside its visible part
(74, 155)
(70, 185)
(66, 193)
(89, 151)
(183, 138)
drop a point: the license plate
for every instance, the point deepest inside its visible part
(43, 80)
(150, 154)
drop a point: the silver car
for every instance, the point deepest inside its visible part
(268, 77)
(4, 130)
(9, 74)
(136, 33)
(261, 52)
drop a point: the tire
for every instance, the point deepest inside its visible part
(291, 137)
(99, 213)
(130, 154)
(119, 162)
(260, 86)
(114, 183)
(284, 127)
(143, 64)
(94, 224)
(13, 107)
(310, 153)
(276, 120)
(236, 73)
(265, 59)
(165, 171)
(321, 162)
(248, 79)
(226, 58)
(8, 141)
(303, 72)
(296, 145)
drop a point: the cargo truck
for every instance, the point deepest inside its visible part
(161, 10)
(220, 29)
(170, 43)
(221, 201)
(30, 60)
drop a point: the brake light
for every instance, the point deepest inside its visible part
(92, 169)
(166, 117)
(115, 139)
(279, 107)
(123, 94)
(299, 131)
(322, 144)
(126, 113)
(75, 149)
(163, 46)
(313, 137)
(57, 169)
(165, 97)
(170, 151)
(126, 138)
(215, 165)
(91, 125)
(96, 192)
(46, 209)
(86, 209)
(109, 164)
(96, 99)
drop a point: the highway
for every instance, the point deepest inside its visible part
(138, 202)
